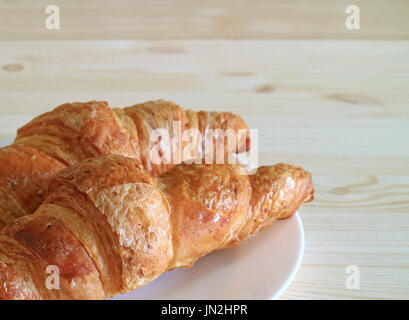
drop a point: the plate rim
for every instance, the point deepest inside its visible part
(298, 262)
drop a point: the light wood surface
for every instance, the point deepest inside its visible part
(340, 108)
(204, 19)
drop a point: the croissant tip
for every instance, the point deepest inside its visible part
(310, 192)
(248, 144)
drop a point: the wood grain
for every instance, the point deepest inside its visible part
(209, 19)
(339, 108)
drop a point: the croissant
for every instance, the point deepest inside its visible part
(75, 131)
(110, 227)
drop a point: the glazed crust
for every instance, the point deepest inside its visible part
(24, 173)
(110, 227)
(73, 132)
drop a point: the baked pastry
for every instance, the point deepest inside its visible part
(110, 227)
(73, 132)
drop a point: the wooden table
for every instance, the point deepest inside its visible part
(330, 100)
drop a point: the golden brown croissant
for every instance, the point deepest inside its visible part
(111, 228)
(75, 131)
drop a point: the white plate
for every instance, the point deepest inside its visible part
(259, 268)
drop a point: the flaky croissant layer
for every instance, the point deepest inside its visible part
(109, 227)
(73, 132)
